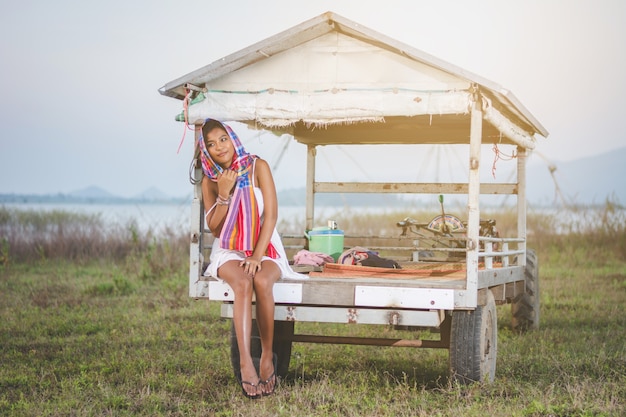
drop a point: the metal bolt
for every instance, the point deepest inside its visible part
(352, 315)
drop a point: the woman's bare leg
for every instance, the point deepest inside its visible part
(241, 283)
(263, 288)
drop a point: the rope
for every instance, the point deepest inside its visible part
(185, 113)
(498, 156)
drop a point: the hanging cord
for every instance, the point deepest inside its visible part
(186, 101)
(499, 155)
(192, 168)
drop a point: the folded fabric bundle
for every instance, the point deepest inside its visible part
(305, 257)
(362, 256)
(360, 271)
(375, 260)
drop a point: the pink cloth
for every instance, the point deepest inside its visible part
(305, 257)
(354, 256)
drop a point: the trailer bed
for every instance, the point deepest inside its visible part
(415, 295)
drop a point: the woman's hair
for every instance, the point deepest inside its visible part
(209, 125)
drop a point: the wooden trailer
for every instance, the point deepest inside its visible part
(331, 81)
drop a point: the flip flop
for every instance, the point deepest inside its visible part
(270, 378)
(251, 396)
(243, 389)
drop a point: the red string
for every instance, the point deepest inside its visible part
(497, 157)
(185, 113)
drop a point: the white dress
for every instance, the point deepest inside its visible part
(219, 255)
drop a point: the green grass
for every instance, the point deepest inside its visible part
(118, 336)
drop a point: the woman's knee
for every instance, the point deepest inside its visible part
(262, 285)
(241, 283)
(264, 281)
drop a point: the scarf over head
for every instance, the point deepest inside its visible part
(242, 224)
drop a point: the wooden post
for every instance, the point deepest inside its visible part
(473, 197)
(310, 185)
(196, 258)
(521, 202)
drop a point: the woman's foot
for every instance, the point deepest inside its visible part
(249, 388)
(268, 375)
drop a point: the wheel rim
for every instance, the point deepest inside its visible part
(489, 342)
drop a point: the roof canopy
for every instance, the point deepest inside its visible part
(332, 81)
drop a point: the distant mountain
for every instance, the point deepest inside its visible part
(152, 193)
(585, 181)
(92, 192)
(92, 195)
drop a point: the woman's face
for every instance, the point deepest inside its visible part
(220, 147)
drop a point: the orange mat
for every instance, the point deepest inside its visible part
(332, 270)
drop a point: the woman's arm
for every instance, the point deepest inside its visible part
(265, 182)
(210, 191)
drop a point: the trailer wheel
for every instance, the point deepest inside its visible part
(474, 343)
(283, 333)
(525, 307)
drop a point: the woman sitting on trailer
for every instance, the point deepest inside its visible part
(241, 208)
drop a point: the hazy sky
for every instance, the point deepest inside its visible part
(79, 104)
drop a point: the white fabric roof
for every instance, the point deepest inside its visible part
(332, 73)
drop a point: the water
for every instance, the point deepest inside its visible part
(159, 216)
(145, 216)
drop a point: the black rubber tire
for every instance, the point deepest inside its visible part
(525, 306)
(283, 333)
(474, 343)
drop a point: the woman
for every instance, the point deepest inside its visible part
(241, 208)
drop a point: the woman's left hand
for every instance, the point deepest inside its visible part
(250, 266)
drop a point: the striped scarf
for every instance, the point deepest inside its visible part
(242, 224)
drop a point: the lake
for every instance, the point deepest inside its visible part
(157, 217)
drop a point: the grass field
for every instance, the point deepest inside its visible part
(105, 332)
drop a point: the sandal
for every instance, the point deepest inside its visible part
(243, 389)
(271, 378)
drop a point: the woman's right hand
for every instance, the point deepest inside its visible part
(225, 182)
